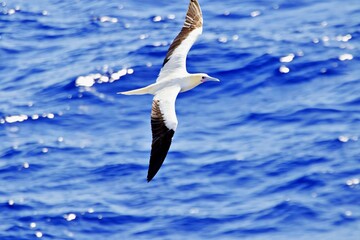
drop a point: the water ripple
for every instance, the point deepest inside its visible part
(269, 153)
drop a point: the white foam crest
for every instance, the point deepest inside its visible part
(344, 38)
(16, 118)
(70, 217)
(288, 58)
(346, 56)
(91, 79)
(23, 117)
(255, 13)
(157, 19)
(108, 19)
(284, 69)
(354, 181)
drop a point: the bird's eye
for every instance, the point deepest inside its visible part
(202, 77)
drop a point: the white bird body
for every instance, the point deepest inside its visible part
(185, 83)
(173, 79)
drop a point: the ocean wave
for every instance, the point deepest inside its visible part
(270, 152)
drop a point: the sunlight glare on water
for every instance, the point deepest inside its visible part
(270, 152)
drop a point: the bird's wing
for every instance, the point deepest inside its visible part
(163, 126)
(175, 60)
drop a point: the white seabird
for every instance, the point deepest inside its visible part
(173, 79)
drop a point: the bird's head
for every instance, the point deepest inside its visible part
(203, 77)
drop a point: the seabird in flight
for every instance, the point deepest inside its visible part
(173, 79)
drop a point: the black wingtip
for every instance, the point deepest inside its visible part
(160, 148)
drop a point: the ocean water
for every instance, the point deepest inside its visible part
(270, 152)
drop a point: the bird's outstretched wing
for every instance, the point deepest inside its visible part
(175, 60)
(163, 126)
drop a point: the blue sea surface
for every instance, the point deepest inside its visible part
(270, 152)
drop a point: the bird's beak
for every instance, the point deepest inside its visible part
(211, 79)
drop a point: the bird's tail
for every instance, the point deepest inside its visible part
(139, 91)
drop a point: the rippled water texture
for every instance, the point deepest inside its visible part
(270, 152)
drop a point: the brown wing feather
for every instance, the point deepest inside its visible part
(193, 20)
(162, 137)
